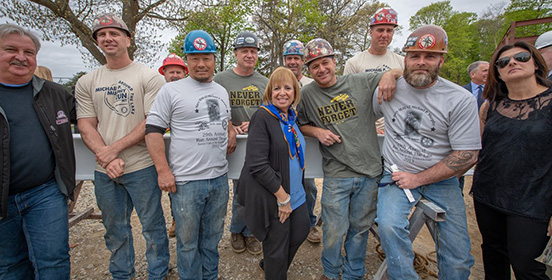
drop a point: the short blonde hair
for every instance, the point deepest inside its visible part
(44, 73)
(280, 75)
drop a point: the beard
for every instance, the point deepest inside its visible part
(423, 79)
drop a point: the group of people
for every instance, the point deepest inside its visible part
(434, 133)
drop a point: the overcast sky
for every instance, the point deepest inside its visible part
(67, 60)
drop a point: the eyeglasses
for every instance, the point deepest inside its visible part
(521, 57)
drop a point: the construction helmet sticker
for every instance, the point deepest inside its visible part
(200, 44)
(427, 41)
(106, 20)
(411, 41)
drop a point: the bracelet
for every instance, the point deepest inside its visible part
(285, 202)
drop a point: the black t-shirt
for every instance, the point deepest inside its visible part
(31, 157)
(514, 170)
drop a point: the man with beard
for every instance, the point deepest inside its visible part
(432, 136)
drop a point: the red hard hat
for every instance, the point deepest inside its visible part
(384, 16)
(173, 59)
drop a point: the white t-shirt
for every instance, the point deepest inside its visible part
(367, 62)
(120, 99)
(425, 125)
(305, 81)
(198, 115)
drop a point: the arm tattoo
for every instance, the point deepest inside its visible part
(460, 160)
(483, 112)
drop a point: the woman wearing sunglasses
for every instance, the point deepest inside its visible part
(271, 182)
(512, 185)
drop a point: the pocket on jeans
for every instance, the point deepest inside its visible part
(181, 183)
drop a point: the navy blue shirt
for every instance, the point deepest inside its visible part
(31, 157)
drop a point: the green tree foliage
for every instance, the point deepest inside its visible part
(70, 85)
(223, 20)
(438, 13)
(527, 9)
(472, 38)
(343, 23)
(70, 21)
(489, 30)
(462, 46)
(280, 21)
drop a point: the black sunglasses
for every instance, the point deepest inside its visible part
(521, 57)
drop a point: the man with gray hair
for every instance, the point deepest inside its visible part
(38, 163)
(478, 72)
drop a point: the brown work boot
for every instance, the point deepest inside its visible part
(323, 277)
(172, 229)
(237, 243)
(315, 234)
(253, 245)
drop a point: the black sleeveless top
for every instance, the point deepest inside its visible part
(514, 170)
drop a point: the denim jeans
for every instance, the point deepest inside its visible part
(237, 224)
(453, 242)
(199, 208)
(116, 198)
(34, 242)
(348, 210)
(310, 195)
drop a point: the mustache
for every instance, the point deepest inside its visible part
(18, 62)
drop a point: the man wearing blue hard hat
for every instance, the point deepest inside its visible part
(197, 111)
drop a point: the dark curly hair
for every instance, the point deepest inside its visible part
(495, 88)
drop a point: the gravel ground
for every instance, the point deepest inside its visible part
(90, 258)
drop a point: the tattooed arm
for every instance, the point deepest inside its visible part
(456, 163)
(483, 115)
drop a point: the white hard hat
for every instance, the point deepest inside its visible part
(544, 40)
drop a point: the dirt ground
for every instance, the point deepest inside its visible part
(90, 258)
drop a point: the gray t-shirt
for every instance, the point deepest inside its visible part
(425, 125)
(198, 115)
(345, 109)
(245, 93)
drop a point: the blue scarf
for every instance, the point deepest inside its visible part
(290, 135)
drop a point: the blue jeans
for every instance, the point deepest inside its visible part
(348, 210)
(310, 195)
(116, 198)
(199, 208)
(34, 242)
(237, 224)
(453, 242)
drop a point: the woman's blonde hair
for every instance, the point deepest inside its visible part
(280, 75)
(44, 73)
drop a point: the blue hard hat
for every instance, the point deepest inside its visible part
(199, 41)
(294, 47)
